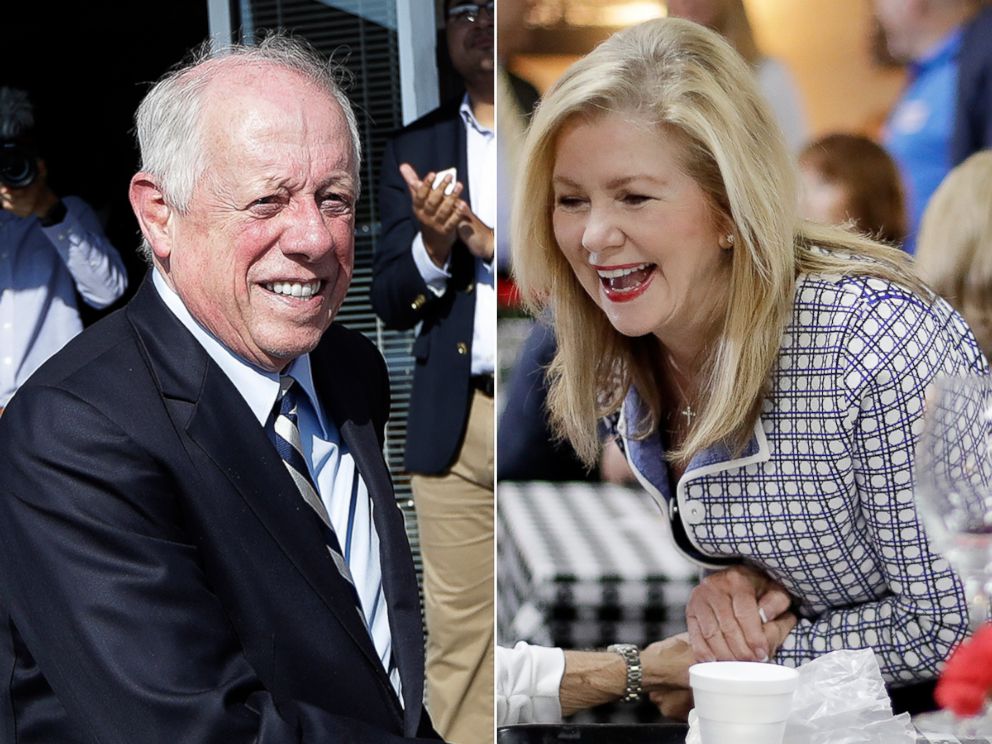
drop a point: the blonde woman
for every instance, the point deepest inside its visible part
(765, 375)
(954, 250)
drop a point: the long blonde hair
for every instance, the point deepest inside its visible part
(687, 80)
(954, 248)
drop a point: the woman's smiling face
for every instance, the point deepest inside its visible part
(638, 232)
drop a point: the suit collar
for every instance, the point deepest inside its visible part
(257, 386)
(335, 384)
(204, 403)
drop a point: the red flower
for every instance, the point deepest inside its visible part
(967, 677)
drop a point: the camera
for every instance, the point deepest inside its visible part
(18, 164)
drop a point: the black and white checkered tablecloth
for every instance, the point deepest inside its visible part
(644, 733)
(585, 565)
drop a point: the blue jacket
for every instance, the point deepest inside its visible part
(973, 120)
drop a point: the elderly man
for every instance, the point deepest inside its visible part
(199, 537)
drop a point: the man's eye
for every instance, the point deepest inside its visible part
(336, 201)
(266, 202)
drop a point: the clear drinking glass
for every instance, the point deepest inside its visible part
(954, 499)
(954, 483)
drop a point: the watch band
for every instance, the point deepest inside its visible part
(632, 655)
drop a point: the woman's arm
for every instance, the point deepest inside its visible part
(895, 346)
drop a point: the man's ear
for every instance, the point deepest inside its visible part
(153, 212)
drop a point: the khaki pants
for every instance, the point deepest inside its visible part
(455, 519)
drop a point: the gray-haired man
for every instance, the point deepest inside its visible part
(199, 536)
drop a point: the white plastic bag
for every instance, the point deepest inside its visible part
(840, 699)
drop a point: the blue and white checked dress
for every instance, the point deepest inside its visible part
(822, 497)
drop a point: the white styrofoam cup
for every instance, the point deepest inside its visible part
(743, 702)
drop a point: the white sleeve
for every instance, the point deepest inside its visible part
(434, 277)
(527, 682)
(95, 265)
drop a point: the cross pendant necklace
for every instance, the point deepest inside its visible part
(687, 410)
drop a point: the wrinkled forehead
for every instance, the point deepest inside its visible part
(243, 103)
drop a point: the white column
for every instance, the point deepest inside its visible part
(219, 22)
(416, 32)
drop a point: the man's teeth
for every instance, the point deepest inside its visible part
(617, 273)
(305, 290)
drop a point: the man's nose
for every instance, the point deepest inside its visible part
(309, 234)
(602, 232)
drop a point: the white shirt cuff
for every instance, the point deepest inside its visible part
(528, 684)
(436, 278)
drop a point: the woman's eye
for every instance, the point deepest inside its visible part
(634, 199)
(568, 202)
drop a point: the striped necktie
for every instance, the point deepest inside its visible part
(369, 598)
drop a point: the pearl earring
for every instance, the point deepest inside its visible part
(727, 242)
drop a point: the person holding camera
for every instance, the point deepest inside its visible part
(50, 249)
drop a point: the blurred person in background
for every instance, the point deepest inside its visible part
(434, 269)
(954, 251)
(945, 112)
(764, 374)
(848, 178)
(51, 249)
(729, 18)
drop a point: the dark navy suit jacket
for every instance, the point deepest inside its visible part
(442, 351)
(973, 118)
(161, 579)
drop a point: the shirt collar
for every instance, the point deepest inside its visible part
(944, 51)
(468, 116)
(258, 387)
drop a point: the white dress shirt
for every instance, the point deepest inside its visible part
(481, 144)
(331, 464)
(40, 270)
(528, 679)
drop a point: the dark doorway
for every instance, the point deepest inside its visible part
(86, 67)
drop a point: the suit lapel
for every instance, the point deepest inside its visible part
(336, 382)
(460, 138)
(203, 402)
